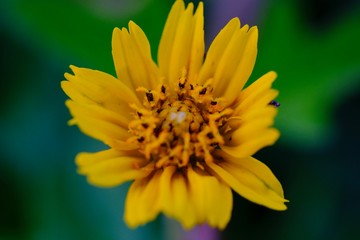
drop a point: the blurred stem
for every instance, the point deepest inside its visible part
(220, 12)
(174, 231)
(202, 232)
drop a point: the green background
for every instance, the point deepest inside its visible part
(314, 46)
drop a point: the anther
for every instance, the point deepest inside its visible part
(141, 139)
(213, 103)
(149, 96)
(163, 89)
(191, 87)
(203, 91)
(157, 131)
(182, 85)
(210, 135)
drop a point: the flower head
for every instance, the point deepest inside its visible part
(184, 129)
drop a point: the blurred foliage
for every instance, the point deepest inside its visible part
(42, 197)
(81, 28)
(316, 68)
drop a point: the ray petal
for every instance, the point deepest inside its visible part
(230, 60)
(110, 168)
(89, 86)
(198, 43)
(97, 126)
(181, 47)
(244, 66)
(194, 199)
(168, 38)
(212, 199)
(217, 49)
(142, 201)
(252, 142)
(252, 180)
(175, 197)
(252, 126)
(88, 111)
(258, 94)
(182, 43)
(132, 58)
(257, 168)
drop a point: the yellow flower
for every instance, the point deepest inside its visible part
(184, 129)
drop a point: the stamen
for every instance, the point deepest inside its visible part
(203, 91)
(163, 89)
(150, 96)
(172, 128)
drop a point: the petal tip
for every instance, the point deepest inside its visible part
(236, 21)
(273, 74)
(116, 30)
(132, 25)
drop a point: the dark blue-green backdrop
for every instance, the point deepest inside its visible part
(312, 45)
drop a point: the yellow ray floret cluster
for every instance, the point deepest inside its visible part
(184, 129)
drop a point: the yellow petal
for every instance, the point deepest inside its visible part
(194, 199)
(258, 168)
(251, 115)
(244, 65)
(217, 49)
(88, 86)
(198, 43)
(212, 199)
(175, 197)
(263, 83)
(254, 182)
(142, 201)
(98, 128)
(166, 189)
(180, 51)
(87, 111)
(252, 144)
(236, 63)
(230, 60)
(258, 94)
(119, 58)
(132, 58)
(84, 159)
(256, 100)
(168, 38)
(258, 113)
(252, 126)
(182, 43)
(109, 168)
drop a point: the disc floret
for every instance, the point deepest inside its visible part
(179, 127)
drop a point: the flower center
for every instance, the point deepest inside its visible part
(179, 127)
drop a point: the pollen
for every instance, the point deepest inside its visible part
(179, 128)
